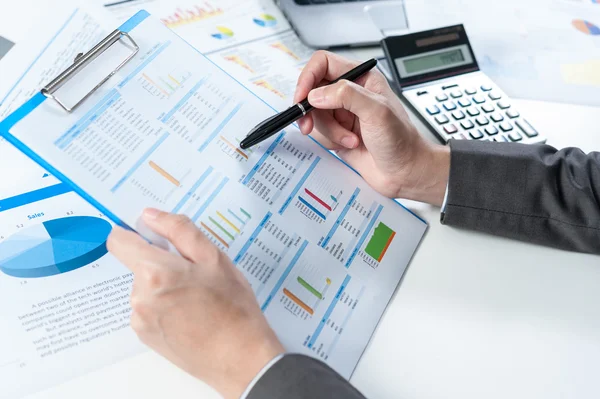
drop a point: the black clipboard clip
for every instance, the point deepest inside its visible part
(82, 60)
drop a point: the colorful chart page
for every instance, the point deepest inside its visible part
(321, 249)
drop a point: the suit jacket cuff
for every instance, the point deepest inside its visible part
(531, 193)
(260, 375)
(296, 376)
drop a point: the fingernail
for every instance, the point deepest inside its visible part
(151, 213)
(349, 142)
(301, 124)
(316, 96)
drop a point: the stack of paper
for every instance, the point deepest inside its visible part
(545, 50)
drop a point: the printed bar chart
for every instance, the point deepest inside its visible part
(310, 288)
(312, 208)
(319, 200)
(306, 289)
(165, 83)
(298, 301)
(164, 173)
(380, 242)
(232, 150)
(215, 235)
(317, 196)
(225, 223)
(191, 15)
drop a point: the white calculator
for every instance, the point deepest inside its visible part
(439, 77)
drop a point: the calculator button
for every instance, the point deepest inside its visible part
(486, 87)
(470, 91)
(504, 139)
(476, 134)
(441, 97)
(456, 94)
(467, 124)
(450, 129)
(482, 120)
(450, 106)
(496, 117)
(473, 111)
(495, 96)
(526, 128)
(441, 119)
(459, 136)
(512, 114)
(506, 126)
(433, 110)
(478, 99)
(515, 136)
(420, 93)
(503, 105)
(491, 130)
(487, 108)
(464, 102)
(458, 115)
(449, 86)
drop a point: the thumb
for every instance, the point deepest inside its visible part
(347, 95)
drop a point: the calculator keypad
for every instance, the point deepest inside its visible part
(477, 111)
(450, 106)
(441, 119)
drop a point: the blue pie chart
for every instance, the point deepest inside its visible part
(54, 247)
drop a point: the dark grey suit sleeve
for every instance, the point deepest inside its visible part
(302, 377)
(532, 193)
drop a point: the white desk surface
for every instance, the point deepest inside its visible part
(474, 317)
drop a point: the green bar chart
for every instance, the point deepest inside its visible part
(380, 242)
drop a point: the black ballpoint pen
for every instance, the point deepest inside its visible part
(280, 121)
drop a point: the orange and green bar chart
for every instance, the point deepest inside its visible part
(380, 242)
(319, 295)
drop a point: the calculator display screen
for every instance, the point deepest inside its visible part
(428, 56)
(433, 62)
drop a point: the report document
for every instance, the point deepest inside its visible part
(322, 251)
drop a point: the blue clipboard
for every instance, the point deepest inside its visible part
(48, 93)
